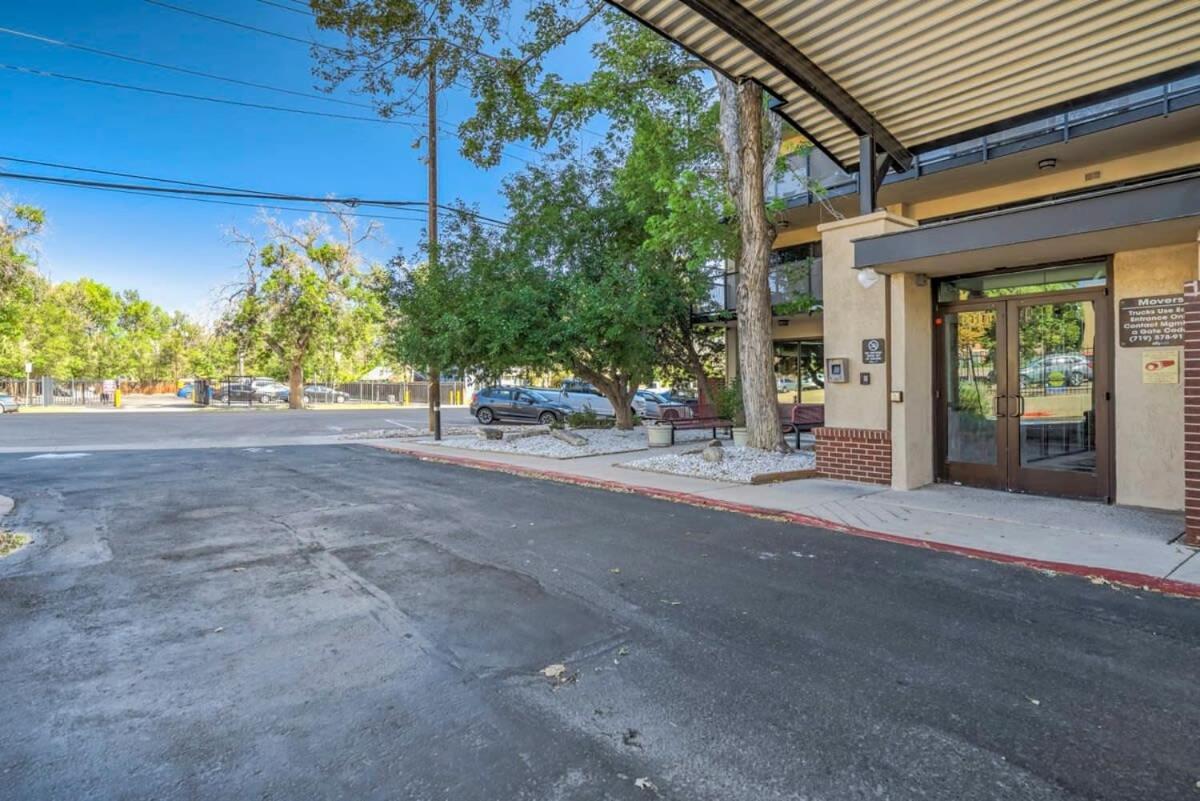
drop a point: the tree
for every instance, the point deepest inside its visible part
(19, 224)
(299, 287)
(518, 99)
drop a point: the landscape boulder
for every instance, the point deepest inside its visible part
(713, 453)
(483, 432)
(569, 437)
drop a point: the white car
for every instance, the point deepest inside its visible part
(652, 405)
(582, 401)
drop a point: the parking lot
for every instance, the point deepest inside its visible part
(335, 621)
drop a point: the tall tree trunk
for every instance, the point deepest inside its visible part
(296, 385)
(694, 364)
(755, 350)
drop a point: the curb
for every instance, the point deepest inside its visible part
(1124, 578)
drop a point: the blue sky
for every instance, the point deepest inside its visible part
(176, 252)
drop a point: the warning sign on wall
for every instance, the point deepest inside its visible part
(1151, 322)
(1160, 367)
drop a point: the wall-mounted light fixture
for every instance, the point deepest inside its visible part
(1048, 164)
(868, 277)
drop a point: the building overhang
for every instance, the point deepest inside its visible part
(916, 76)
(1152, 213)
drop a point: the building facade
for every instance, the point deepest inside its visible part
(999, 217)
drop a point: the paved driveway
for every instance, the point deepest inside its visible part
(339, 622)
(32, 431)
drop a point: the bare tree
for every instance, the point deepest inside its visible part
(299, 284)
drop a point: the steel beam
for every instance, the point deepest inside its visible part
(766, 43)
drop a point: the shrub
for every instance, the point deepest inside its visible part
(588, 418)
(730, 405)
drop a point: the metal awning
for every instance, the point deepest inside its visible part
(1145, 214)
(920, 74)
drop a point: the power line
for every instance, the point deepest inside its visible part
(206, 98)
(268, 32)
(292, 9)
(226, 79)
(231, 192)
(242, 25)
(185, 70)
(272, 206)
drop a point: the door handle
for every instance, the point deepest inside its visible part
(996, 404)
(1020, 404)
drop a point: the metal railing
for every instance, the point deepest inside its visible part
(811, 175)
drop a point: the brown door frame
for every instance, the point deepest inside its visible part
(1064, 483)
(990, 476)
(1007, 473)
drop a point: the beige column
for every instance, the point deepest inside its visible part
(856, 442)
(911, 366)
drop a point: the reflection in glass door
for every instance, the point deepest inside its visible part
(1055, 419)
(971, 393)
(1022, 393)
(800, 372)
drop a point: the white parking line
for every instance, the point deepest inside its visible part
(398, 423)
(56, 456)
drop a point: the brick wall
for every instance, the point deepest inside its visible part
(855, 454)
(1191, 412)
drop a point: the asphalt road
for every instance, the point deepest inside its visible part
(339, 622)
(202, 428)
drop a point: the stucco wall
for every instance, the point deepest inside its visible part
(1149, 417)
(854, 313)
(912, 374)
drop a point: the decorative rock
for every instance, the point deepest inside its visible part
(713, 454)
(714, 443)
(569, 437)
(489, 433)
(531, 431)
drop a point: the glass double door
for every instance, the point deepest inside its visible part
(1023, 394)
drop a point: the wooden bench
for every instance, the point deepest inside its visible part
(801, 417)
(703, 416)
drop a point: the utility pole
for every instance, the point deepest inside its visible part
(435, 378)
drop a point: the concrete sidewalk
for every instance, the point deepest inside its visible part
(1115, 543)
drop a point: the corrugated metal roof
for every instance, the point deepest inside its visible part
(933, 71)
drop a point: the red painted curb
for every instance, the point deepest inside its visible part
(1122, 577)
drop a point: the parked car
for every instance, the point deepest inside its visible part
(8, 404)
(259, 390)
(186, 390)
(652, 405)
(491, 404)
(1055, 370)
(319, 393)
(675, 396)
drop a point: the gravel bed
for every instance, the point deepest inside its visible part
(739, 465)
(417, 433)
(599, 441)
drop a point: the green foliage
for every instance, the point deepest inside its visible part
(587, 418)
(304, 290)
(730, 403)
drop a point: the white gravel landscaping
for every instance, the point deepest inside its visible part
(599, 441)
(739, 464)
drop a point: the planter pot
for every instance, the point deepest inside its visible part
(739, 437)
(658, 436)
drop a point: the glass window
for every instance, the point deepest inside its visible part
(800, 372)
(795, 271)
(1027, 282)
